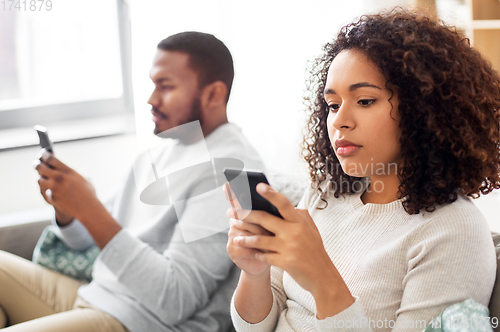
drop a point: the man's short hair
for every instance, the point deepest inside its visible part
(208, 56)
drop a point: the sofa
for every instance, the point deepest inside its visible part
(21, 240)
(494, 305)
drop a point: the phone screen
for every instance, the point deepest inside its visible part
(243, 184)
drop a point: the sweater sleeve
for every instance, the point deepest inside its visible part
(451, 259)
(279, 304)
(176, 283)
(74, 235)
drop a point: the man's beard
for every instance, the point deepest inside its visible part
(195, 114)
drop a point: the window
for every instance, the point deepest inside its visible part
(66, 61)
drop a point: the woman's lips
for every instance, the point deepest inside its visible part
(345, 147)
(347, 150)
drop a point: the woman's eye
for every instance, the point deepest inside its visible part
(366, 102)
(166, 87)
(333, 107)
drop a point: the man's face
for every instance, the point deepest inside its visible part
(176, 97)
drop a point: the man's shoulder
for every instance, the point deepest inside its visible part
(228, 141)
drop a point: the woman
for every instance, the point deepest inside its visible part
(404, 128)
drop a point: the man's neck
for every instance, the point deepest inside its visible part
(211, 127)
(207, 127)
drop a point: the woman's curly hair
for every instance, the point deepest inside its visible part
(449, 105)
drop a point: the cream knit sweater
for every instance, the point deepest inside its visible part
(403, 269)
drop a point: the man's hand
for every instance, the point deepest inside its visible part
(62, 218)
(73, 196)
(65, 189)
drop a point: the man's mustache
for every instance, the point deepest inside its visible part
(157, 112)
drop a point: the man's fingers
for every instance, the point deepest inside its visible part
(52, 161)
(45, 185)
(284, 206)
(48, 195)
(44, 170)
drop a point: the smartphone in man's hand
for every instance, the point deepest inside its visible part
(45, 141)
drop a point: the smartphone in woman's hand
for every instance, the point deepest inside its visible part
(243, 184)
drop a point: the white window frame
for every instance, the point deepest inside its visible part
(97, 109)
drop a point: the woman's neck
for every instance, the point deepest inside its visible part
(382, 189)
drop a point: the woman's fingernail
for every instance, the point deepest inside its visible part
(48, 193)
(35, 162)
(265, 187)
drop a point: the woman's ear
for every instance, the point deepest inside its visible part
(214, 95)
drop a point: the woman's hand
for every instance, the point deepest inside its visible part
(243, 257)
(297, 248)
(253, 297)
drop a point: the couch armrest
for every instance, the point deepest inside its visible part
(20, 231)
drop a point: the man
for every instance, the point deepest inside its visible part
(163, 264)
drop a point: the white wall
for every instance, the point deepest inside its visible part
(271, 42)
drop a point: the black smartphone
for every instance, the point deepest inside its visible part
(45, 141)
(243, 184)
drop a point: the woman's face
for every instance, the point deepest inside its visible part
(363, 125)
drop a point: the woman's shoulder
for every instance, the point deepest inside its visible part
(462, 210)
(460, 221)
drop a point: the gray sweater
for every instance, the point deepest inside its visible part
(402, 269)
(168, 268)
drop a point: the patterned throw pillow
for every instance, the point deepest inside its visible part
(466, 316)
(51, 252)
